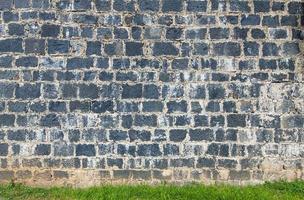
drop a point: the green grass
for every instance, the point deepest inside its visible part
(277, 190)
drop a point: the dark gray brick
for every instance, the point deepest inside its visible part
(22, 3)
(184, 162)
(57, 106)
(198, 92)
(11, 45)
(9, 16)
(3, 149)
(90, 91)
(250, 20)
(127, 121)
(201, 49)
(171, 150)
(82, 106)
(294, 121)
(85, 19)
(241, 6)
(278, 6)
(267, 64)
(152, 106)
(115, 162)
(16, 29)
(50, 30)
(28, 91)
(18, 135)
(117, 135)
(141, 135)
(6, 5)
(270, 49)
(219, 33)
(227, 163)
(151, 91)
(213, 149)
(7, 90)
(261, 6)
(205, 162)
(177, 135)
(251, 49)
(174, 33)
(73, 136)
(79, 63)
(103, 5)
(296, 8)
(82, 4)
(17, 107)
(224, 150)
(43, 149)
(271, 21)
(122, 5)
(289, 20)
(240, 33)
(229, 106)
(200, 120)
(148, 5)
(216, 91)
(227, 49)
(27, 15)
(58, 46)
(115, 48)
(47, 16)
(291, 48)
(197, 6)
(63, 150)
(6, 61)
(164, 48)
(134, 49)
(172, 5)
(50, 91)
(69, 90)
(7, 120)
(177, 106)
(102, 106)
(258, 34)
(196, 33)
(145, 120)
(35, 46)
(148, 150)
(121, 33)
(278, 33)
(201, 134)
(71, 163)
(180, 63)
(50, 120)
(132, 91)
(85, 150)
(29, 61)
(43, 4)
(102, 63)
(136, 33)
(93, 48)
(236, 120)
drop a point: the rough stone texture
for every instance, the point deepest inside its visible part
(95, 91)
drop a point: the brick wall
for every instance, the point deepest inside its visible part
(95, 91)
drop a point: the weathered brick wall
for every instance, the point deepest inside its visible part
(95, 91)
